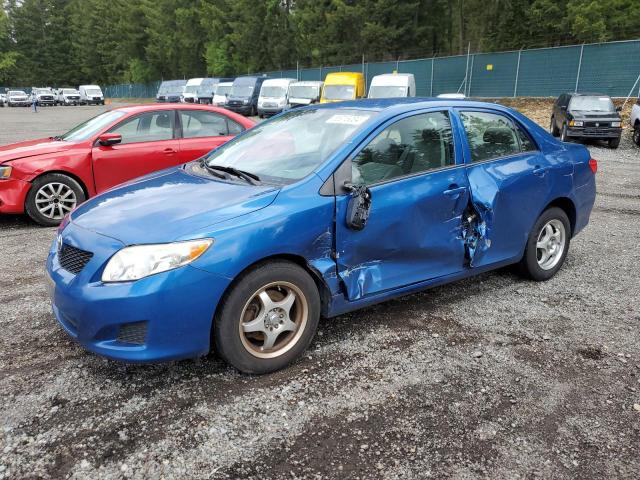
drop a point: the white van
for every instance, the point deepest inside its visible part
(223, 89)
(274, 96)
(304, 93)
(391, 85)
(91, 95)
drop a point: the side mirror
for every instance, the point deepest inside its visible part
(359, 206)
(108, 139)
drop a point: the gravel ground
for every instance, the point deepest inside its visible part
(489, 377)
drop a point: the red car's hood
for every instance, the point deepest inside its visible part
(32, 148)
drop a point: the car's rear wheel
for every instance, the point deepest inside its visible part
(51, 197)
(636, 134)
(614, 142)
(547, 245)
(553, 128)
(268, 318)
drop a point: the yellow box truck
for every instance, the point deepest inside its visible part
(340, 86)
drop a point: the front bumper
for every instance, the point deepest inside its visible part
(269, 110)
(13, 193)
(94, 101)
(241, 109)
(594, 132)
(172, 311)
(19, 102)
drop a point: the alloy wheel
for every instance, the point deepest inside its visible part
(273, 320)
(550, 244)
(54, 200)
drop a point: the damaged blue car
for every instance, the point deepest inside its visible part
(316, 212)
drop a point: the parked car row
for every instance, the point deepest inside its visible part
(48, 97)
(269, 96)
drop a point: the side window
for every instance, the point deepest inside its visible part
(526, 145)
(412, 145)
(234, 128)
(198, 123)
(490, 135)
(148, 127)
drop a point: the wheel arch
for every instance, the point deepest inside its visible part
(66, 173)
(566, 205)
(323, 289)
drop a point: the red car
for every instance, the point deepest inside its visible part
(47, 178)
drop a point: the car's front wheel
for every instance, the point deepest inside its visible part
(636, 134)
(553, 128)
(614, 142)
(51, 197)
(268, 318)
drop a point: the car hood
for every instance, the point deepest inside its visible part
(167, 206)
(32, 148)
(605, 116)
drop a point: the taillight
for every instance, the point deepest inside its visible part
(593, 164)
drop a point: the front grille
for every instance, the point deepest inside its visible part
(73, 259)
(599, 124)
(135, 333)
(597, 131)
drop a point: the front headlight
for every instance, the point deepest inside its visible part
(616, 124)
(5, 172)
(139, 261)
(246, 102)
(576, 123)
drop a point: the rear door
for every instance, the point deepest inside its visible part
(418, 192)
(510, 184)
(202, 131)
(149, 143)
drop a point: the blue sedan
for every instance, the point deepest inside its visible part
(316, 212)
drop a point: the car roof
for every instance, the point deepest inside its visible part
(404, 104)
(168, 106)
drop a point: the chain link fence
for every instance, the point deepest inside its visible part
(611, 68)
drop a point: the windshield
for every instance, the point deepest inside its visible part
(43, 91)
(339, 92)
(93, 91)
(191, 89)
(242, 90)
(16, 92)
(290, 146)
(223, 90)
(277, 92)
(69, 91)
(165, 89)
(91, 127)
(301, 91)
(595, 104)
(387, 91)
(205, 89)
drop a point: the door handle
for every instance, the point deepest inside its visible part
(454, 191)
(169, 151)
(539, 171)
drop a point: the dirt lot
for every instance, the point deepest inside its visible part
(490, 377)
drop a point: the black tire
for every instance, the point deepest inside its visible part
(563, 133)
(614, 142)
(636, 134)
(30, 202)
(553, 128)
(227, 338)
(529, 266)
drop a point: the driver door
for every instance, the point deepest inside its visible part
(419, 191)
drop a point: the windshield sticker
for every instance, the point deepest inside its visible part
(342, 119)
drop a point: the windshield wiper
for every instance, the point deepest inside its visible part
(250, 178)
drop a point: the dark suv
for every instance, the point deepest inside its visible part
(586, 115)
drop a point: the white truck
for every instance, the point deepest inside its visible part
(304, 93)
(223, 89)
(18, 98)
(43, 97)
(392, 85)
(91, 95)
(274, 96)
(634, 121)
(68, 96)
(192, 89)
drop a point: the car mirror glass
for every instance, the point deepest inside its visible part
(359, 206)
